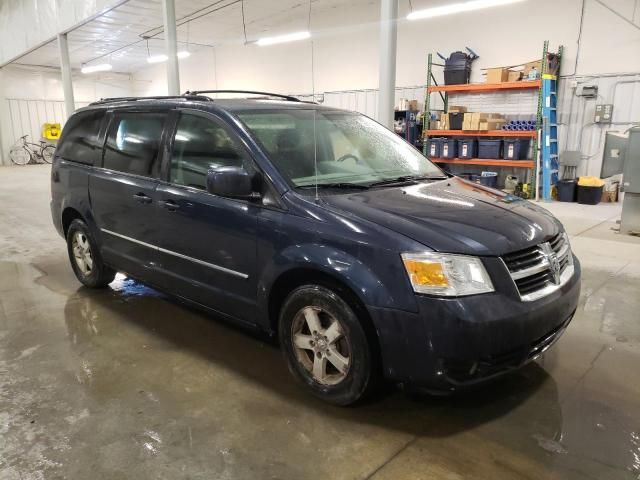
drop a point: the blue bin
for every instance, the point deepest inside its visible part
(467, 148)
(434, 147)
(448, 148)
(516, 148)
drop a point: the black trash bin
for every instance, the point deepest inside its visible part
(589, 195)
(457, 68)
(566, 190)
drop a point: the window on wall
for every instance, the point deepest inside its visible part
(133, 142)
(80, 140)
(201, 144)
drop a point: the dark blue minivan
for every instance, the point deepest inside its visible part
(319, 226)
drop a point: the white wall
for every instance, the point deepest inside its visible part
(346, 47)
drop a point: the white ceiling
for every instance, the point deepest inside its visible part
(116, 36)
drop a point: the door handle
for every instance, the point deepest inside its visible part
(142, 198)
(169, 205)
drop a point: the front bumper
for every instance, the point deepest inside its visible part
(456, 342)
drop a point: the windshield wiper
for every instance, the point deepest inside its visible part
(405, 179)
(345, 185)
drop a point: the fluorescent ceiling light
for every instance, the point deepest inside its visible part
(183, 54)
(102, 67)
(157, 58)
(458, 8)
(290, 37)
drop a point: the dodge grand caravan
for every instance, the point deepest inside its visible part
(319, 226)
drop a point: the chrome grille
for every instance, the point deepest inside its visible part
(540, 270)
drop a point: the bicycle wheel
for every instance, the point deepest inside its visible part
(20, 155)
(47, 153)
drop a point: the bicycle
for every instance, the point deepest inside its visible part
(24, 153)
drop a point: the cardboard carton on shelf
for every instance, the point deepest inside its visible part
(482, 120)
(514, 76)
(497, 75)
(457, 109)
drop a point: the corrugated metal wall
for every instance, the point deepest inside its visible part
(28, 116)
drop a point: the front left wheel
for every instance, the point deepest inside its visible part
(326, 346)
(85, 257)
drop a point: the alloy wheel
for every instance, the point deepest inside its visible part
(321, 345)
(82, 253)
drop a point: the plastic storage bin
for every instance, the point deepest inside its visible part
(467, 148)
(489, 179)
(457, 68)
(435, 144)
(566, 190)
(516, 148)
(490, 148)
(456, 119)
(589, 195)
(449, 148)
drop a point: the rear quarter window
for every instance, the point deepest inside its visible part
(80, 140)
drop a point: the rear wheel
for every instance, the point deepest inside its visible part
(48, 152)
(325, 345)
(85, 257)
(19, 155)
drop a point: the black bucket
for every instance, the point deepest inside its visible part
(566, 190)
(589, 195)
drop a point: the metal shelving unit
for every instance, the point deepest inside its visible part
(445, 90)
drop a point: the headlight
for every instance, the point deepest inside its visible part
(446, 275)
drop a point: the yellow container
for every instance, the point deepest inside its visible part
(51, 131)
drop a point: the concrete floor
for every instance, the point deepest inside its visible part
(124, 383)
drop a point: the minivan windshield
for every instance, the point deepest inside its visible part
(335, 148)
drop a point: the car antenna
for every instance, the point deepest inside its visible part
(315, 153)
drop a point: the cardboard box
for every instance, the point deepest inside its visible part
(457, 109)
(444, 121)
(514, 76)
(497, 75)
(491, 125)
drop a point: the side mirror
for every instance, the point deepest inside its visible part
(231, 182)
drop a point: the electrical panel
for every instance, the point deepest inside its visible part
(603, 113)
(587, 91)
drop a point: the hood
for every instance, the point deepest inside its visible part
(453, 215)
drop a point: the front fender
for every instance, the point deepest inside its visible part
(359, 277)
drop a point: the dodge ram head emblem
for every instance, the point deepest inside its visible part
(552, 260)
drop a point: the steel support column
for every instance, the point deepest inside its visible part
(65, 69)
(388, 47)
(171, 42)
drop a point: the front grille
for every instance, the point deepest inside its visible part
(531, 268)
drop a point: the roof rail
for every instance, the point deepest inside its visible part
(252, 92)
(186, 96)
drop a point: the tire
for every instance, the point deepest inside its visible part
(308, 354)
(47, 153)
(20, 155)
(85, 257)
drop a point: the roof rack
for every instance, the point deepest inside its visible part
(252, 92)
(186, 96)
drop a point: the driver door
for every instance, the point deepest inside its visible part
(207, 243)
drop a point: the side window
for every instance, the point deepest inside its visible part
(80, 141)
(133, 142)
(201, 144)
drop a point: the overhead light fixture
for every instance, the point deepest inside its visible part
(157, 58)
(458, 8)
(183, 54)
(102, 67)
(290, 37)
